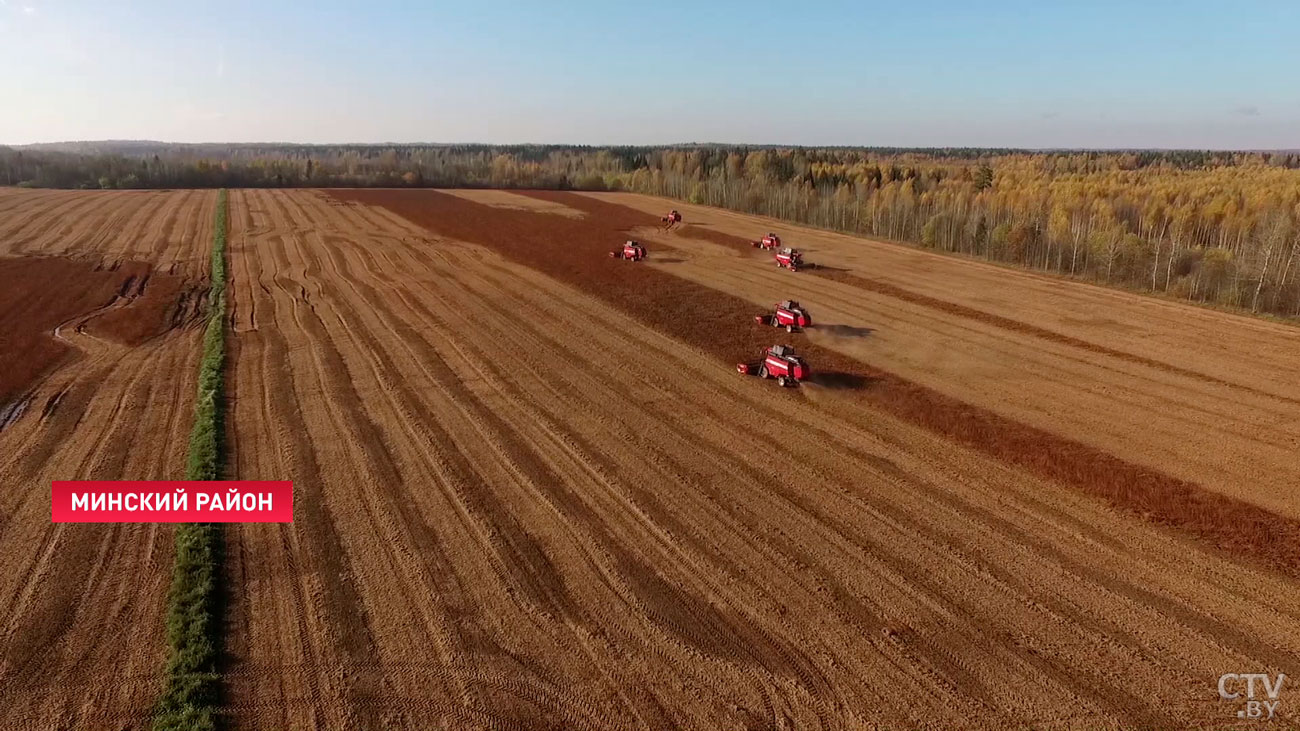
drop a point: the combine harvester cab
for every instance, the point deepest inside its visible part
(789, 315)
(631, 251)
(770, 241)
(779, 362)
(788, 258)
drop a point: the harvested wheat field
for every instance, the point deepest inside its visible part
(1203, 395)
(98, 295)
(533, 492)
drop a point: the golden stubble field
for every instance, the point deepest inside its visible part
(533, 492)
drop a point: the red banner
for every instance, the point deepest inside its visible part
(177, 501)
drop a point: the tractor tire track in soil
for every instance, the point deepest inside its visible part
(712, 321)
(101, 343)
(533, 511)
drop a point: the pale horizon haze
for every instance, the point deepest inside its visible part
(1000, 74)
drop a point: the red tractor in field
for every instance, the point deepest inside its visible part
(779, 362)
(789, 259)
(631, 251)
(770, 241)
(672, 218)
(789, 315)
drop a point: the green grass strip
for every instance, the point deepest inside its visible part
(192, 687)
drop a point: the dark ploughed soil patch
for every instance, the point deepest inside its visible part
(576, 251)
(37, 294)
(151, 305)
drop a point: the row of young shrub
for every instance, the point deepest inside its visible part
(191, 692)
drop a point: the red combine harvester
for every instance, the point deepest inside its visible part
(673, 217)
(770, 241)
(779, 362)
(789, 315)
(632, 251)
(789, 258)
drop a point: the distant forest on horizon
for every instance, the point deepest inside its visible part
(1216, 227)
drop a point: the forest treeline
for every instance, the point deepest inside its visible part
(1212, 227)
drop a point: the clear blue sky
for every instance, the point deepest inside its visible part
(1146, 73)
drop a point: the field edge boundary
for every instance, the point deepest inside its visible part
(191, 690)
